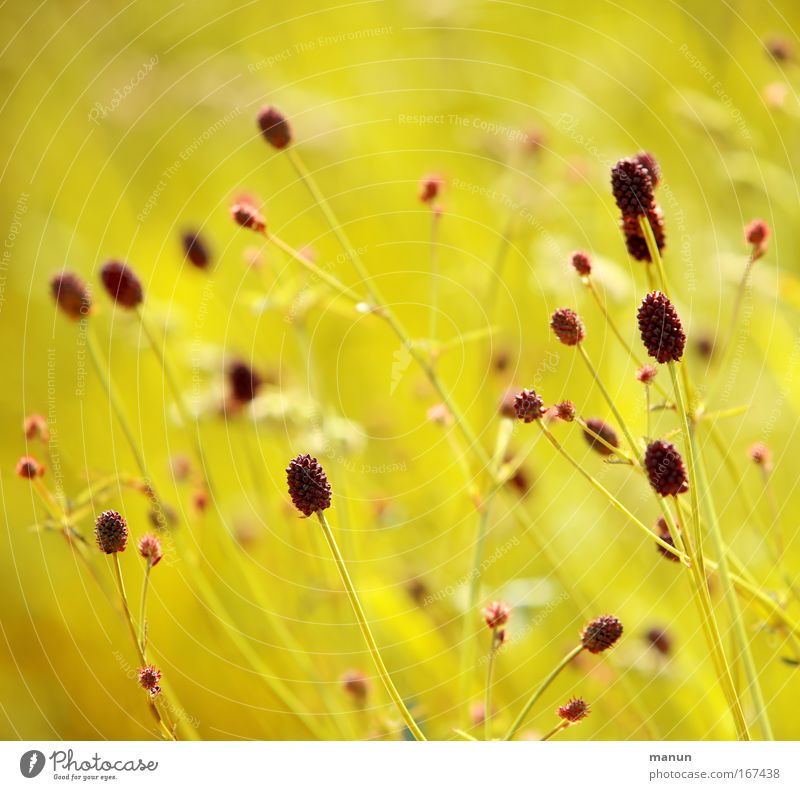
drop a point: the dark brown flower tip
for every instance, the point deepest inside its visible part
(565, 410)
(779, 48)
(601, 634)
(121, 284)
(71, 294)
(528, 406)
(575, 710)
(649, 163)
(761, 454)
(756, 234)
(567, 326)
(29, 468)
(244, 382)
(632, 186)
(247, 216)
(196, 250)
(308, 485)
(582, 263)
(496, 614)
(149, 547)
(604, 431)
(660, 328)
(665, 469)
(356, 684)
(662, 530)
(35, 427)
(149, 677)
(111, 532)
(274, 127)
(635, 241)
(430, 187)
(660, 640)
(646, 373)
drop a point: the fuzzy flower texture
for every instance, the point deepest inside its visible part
(308, 485)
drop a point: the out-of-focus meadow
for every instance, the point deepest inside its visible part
(123, 125)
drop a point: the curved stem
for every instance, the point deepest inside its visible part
(143, 608)
(520, 720)
(487, 698)
(366, 630)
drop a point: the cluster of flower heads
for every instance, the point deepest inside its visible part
(633, 181)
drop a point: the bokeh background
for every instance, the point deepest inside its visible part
(125, 124)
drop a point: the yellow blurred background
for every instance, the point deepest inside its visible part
(126, 124)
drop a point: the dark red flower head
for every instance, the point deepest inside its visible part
(649, 163)
(195, 248)
(662, 530)
(565, 410)
(149, 676)
(496, 614)
(149, 547)
(29, 468)
(122, 284)
(244, 382)
(601, 633)
(632, 186)
(356, 684)
(665, 469)
(528, 406)
(71, 295)
(582, 263)
(646, 373)
(430, 187)
(660, 640)
(308, 485)
(604, 431)
(761, 455)
(111, 532)
(247, 216)
(575, 710)
(660, 328)
(567, 326)
(274, 127)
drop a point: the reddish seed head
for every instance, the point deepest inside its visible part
(308, 485)
(756, 234)
(603, 430)
(665, 469)
(660, 640)
(248, 216)
(649, 163)
(567, 326)
(195, 249)
(632, 186)
(496, 614)
(575, 710)
(660, 328)
(71, 295)
(356, 684)
(244, 382)
(35, 427)
(430, 187)
(111, 532)
(582, 263)
(149, 547)
(528, 406)
(565, 410)
(274, 127)
(662, 530)
(29, 468)
(646, 373)
(761, 455)
(601, 634)
(149, 676)
(121, 284)
(635, 241)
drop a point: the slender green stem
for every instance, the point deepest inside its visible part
(557, 729)
(715, 640)
(143, 608)
(634, 445)
(366, 630)
(740, 636)
(523, 714)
